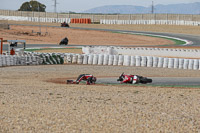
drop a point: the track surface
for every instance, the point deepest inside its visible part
(175, 81)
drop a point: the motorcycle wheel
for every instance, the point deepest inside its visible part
(145, 80)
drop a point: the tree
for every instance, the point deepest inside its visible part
(32, 6)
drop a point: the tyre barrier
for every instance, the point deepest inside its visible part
(133, 61)
(146, 62)
(115, 60)
(136, 61)
(155, 61)
(47, 59)
(176, 61)
(121, 60)
(30, 59)
(181, 62)
(126, 60)
(95, 59)
(110, 60)
(90, 59)
(99, 59)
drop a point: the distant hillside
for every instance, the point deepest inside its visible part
(191, 8)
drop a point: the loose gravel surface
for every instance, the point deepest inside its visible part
(29, 102)
(76, 36)
(36, 98)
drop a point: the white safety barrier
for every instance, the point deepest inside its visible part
(110, 60)
(149, 61)
(151, 22)
(176, 63)
(90, 59)
(160, 61)
(85, 59)
(144, 62)
(74, 59)
(155, 61)
(181, 62)
(80, 59)
(138, 60)
(185, 64)
(116, 59)
(67, 59)
(97, 50)
(196, 64)
(96, 59)
(165, 62)
(133, 61)
(105, 59)
(156, 52)
(121, 60)
(171, 63)
(127, 60)
(199, 64)
(100, 59)
(35, 19)
(191, 64)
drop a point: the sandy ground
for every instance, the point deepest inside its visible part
(75, 36)
(67, 50)
(193, 30)
(30, 103)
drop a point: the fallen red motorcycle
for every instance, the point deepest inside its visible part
(133, 79)
(90, 79)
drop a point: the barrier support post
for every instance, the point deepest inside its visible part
(1, 45)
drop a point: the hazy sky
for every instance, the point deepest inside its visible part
(81, 5)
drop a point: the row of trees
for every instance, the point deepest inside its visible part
(32, 6)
